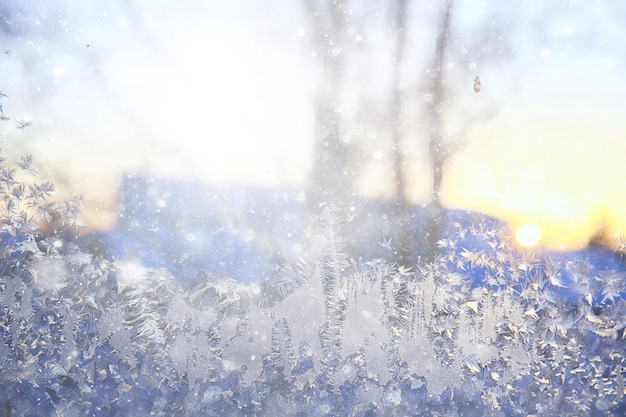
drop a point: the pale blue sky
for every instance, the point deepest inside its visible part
(222, 91)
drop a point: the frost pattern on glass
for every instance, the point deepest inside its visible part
(486, 328)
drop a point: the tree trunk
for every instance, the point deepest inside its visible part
(437, 149)
(405, 244)
(330, 179)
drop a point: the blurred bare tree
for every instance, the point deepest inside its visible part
(330, 179)
(405, 240)
(485, 42)
(437, 149)
(410, 242)
(412, 111)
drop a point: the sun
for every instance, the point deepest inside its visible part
(528, 235)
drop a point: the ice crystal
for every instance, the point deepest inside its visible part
(26, 163)
(485, 328)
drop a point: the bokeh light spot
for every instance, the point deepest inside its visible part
(59, 71)
(528, 235)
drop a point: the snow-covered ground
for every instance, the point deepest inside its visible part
(248, 233)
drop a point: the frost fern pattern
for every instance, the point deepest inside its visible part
(486, 328)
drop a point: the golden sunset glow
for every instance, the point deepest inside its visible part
(565, 178)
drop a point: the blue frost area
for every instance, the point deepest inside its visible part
(231, 303)
(190, 229)
(249, 233)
